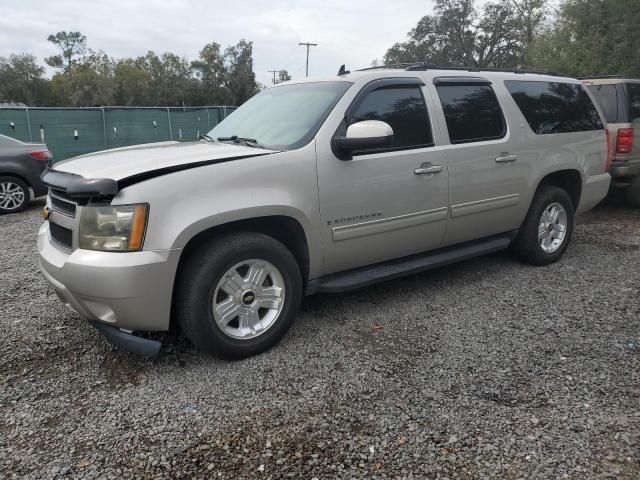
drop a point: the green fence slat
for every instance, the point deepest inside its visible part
(187, 124)
(107, 127)
(20, 129)
(59, 126)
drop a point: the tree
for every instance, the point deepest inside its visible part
(459, 34)
(283, 76)
(21, 80)
(92, 83)
(592, 37)
(131, 83)
(239, 76)
(210, 70)
(71, 45)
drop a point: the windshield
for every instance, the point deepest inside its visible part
(283, 118)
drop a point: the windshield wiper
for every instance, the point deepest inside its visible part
(249, 142)
(204, 136)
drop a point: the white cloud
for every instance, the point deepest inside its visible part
(353, 32)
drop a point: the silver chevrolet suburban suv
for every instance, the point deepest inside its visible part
(319, 185)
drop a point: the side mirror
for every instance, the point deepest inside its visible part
(364, 135)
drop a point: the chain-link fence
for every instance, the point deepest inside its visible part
(73, 131)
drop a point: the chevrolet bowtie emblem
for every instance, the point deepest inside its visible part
(46, 213)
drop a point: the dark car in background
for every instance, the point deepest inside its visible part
(619, 99)
(21, 165)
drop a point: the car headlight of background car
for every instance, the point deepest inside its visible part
(113, 228)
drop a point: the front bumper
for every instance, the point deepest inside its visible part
(130, 290)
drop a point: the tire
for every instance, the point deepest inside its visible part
(632, 193)
(14, 195)
(529, 247)
(204, 278)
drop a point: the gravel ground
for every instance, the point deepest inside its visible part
(485, 369)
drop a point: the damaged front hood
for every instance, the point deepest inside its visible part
(101, 173)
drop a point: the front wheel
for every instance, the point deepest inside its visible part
(238, 295)
(546, 231)
(14, 195)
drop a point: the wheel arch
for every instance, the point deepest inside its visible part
(283, 228)
(20, 176)
(570, 180)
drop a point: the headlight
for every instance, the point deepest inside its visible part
(117, 228)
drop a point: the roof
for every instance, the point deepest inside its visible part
(609, 80)
(428, 72)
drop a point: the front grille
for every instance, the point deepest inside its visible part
(61, 235)
(62, 206)
(60, 194)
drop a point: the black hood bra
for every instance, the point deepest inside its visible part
(77, 186)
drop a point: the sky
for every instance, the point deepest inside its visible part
(353, 32)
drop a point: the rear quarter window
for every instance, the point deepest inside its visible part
(633, 90)
(555, 107)
(607, 98)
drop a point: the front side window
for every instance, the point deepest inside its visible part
(403, 108)
(633, 90)
(284, 117)
(607, 98)
(554, 107)
(472, 113)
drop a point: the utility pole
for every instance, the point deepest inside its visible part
(306, 44)
(275, 72)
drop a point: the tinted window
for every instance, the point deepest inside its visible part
(634, 101)
(403, 108)
(552, 107)
(607, 98)
(472, 113)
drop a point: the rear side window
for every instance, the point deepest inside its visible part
(607, 98)
(554, 107)
(633, 90)
(403, 108)
(472, 113)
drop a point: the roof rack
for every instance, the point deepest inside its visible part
(388, 65)
(597, 77)
(432, 66)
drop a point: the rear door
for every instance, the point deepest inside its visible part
(486, 174)
(381, 204)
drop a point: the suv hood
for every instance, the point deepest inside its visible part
(147, 161)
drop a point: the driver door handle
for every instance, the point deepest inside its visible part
(427, 168)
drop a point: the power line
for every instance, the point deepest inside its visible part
(306, 44)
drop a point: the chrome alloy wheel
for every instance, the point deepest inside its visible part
(552, 229)
(11, 195)
(248, 299)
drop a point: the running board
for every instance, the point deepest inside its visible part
(362, 277)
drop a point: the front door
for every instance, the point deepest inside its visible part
(384, 203)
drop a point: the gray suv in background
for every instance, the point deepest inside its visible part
(320, 185)
(619, 99)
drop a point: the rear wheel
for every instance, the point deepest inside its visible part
(238, 296)
(14, 195)
(632, 193)
(546, 231)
